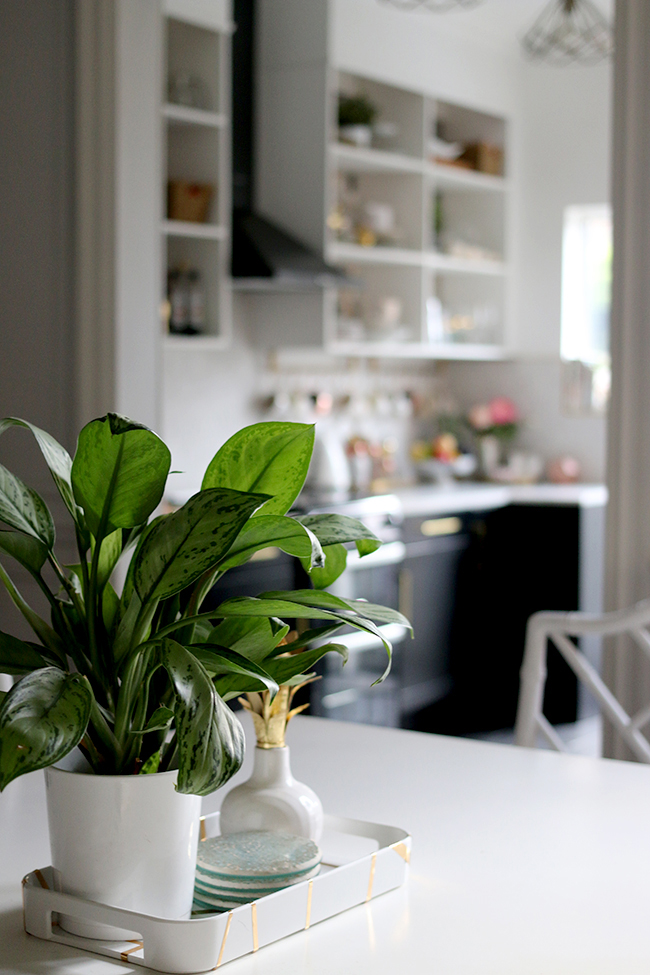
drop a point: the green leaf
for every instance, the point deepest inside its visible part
(56, 457)
(184, 545)
(42, 718)
(311, 599)
(220, 661)
(18, 657)
(160, 720)
(254, 638)
(110, 607)
(118, 473)
(126, 627)
(109, 553)
(129, 587)
(152, 764)
(258, 606)
(45, 633)
(332, 529)
(24, 509)
(313, 605)
(274, 531)
(283, 669)
(336, 558)
(29, 551)
(210, 737)
(365, 546)
(271, 458)
(379, 614)
(308, 636)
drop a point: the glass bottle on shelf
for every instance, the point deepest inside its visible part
(178, 293)
(196, 320)
(186, 296)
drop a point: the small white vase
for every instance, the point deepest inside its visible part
(125, 840)
(490, 451)
(272, 799)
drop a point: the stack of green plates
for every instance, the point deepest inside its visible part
(239, 868)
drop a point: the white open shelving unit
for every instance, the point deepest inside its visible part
(306, 177)
(196, 147)
(427, 262)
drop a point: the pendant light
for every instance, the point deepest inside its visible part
(569, 31)
(438, 6)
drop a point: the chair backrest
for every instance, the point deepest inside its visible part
(558, 627)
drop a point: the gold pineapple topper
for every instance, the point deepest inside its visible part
(271, 717)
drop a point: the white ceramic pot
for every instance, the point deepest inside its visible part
(125, 840)
(356, 135)
(272, 799)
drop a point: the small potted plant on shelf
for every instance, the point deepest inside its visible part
(356, 115)
(133, 685)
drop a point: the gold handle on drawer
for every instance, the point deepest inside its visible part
(441, 526)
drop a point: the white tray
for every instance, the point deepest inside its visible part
(360, 861)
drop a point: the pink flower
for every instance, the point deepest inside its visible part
(481, 417)
(502, 411)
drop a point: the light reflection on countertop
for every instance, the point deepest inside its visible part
(430, 499)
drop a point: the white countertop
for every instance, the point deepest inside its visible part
(433, 499)
(524, 862)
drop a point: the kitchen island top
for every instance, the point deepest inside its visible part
(523, 861)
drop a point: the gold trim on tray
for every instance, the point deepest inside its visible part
(129, 951)
(203, 835)
(403, 850)
(41, 879)
(371, 879)
(223, 943)
(254, 920)
(309, 893)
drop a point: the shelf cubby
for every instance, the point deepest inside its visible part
(195, 111)
(395, 107)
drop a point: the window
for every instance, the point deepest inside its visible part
(586, 289)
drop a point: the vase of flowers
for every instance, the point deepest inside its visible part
(493, 424)
(130, 688)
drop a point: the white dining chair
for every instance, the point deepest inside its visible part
(558, 627)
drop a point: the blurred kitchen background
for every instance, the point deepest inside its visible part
(386, 219)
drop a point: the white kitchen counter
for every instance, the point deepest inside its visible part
(524, 862)
(433, 499)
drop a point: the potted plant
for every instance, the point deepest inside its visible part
(356, 115)
(136, 683)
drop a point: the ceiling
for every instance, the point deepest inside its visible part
(497, 23)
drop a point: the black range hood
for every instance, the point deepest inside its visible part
(264, 257)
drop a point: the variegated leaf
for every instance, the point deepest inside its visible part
(42, 718)
(210, 737)
(24, 509)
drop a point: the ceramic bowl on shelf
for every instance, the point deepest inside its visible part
(437, 471)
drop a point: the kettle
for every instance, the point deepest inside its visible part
(329, 470)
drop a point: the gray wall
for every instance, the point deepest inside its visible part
(36, 223)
